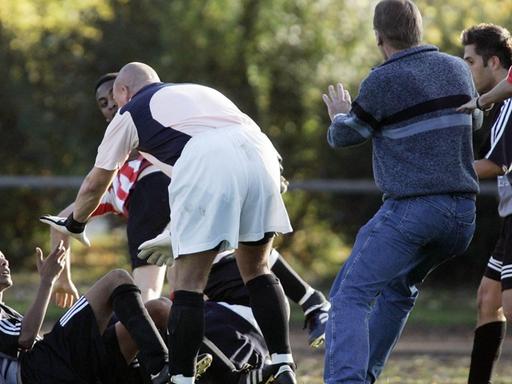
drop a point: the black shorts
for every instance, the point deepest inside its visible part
(148, 212)
(499, 267)
(236, 338)
(72, 352)
(225, 283)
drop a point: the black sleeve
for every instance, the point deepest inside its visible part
(9, 334)
(500, 151)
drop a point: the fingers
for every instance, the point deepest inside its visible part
(39, 257)
(332, 92)
(347, 97)
(326, 99)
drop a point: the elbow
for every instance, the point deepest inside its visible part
(26, 342)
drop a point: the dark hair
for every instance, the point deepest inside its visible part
(398, 22)
(490, 40)
(103, 79)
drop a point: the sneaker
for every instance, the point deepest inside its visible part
(161, 377)
(204, 361)
(315, 324)
(284, 375)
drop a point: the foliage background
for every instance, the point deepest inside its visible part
(274, 58)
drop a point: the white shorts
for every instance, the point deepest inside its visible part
(225, 189)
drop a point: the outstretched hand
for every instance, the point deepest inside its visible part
(64, 293)
(469, 107)
(50, 268)
(63, 225)
(337, 100)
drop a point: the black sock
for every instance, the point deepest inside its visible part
(486, 351)
(271, 311)
(316, 301)
(130, 311)
(293, 285)
(186, 331)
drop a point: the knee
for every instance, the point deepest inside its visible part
(158, 309)
(117, 277)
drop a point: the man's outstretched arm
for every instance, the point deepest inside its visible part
(49, 270)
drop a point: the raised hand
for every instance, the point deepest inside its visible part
(337, 100)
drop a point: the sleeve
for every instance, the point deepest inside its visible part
(500, 152)
(120, 138)
(9, 333)
(358, 125)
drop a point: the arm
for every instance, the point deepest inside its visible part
(499, 93)
(345, 129)
(49, 269)
(64, 290)
(89, 196)
(486, 169)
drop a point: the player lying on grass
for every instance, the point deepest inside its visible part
(80, 348)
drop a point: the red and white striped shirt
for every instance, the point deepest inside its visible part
(116, 198)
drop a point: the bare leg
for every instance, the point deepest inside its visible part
(150, 280)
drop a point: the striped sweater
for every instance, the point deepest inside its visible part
(421, 145)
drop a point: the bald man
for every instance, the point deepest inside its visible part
(224, 193)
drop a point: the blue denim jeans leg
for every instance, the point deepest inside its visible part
(376, 288)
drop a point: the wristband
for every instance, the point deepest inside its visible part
(74, 226)
(479, 106)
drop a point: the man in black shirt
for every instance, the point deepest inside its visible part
(79, 347)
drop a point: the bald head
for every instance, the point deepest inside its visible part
(132, 78)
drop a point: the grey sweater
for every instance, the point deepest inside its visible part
(421, 145)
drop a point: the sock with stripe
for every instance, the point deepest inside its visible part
(131, 312)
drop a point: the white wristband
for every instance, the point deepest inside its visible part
(338, 115)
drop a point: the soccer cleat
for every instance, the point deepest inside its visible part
(204, 361)
(161, 377)
(315, 323)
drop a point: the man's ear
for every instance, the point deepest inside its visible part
(495, 62)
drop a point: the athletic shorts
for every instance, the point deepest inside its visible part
(225, 283)
(72, 352)
(148, 212)
(499, 267)
(225, 188)
(230, 329)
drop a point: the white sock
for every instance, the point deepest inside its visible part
(180, 379)
(283, 358)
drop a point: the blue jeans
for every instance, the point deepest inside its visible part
(376, 288)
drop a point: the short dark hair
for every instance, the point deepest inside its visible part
(490, 40)
(103, 79)
(399, 23)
